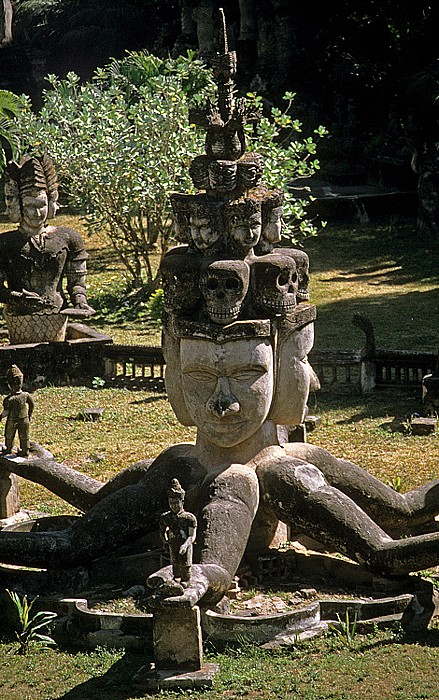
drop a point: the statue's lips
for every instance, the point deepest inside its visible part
(224, 424)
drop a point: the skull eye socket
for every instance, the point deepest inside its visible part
(232, 285)
(283, 277)
(212, 284)
(294, 278)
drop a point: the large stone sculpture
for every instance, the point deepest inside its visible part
(35, 257)
(237, 332)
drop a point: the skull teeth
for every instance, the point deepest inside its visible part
(277, 306)
(221, 314)
(303, 295)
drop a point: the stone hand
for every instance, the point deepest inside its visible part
(29, 300)
(81, 304)
(207, 580)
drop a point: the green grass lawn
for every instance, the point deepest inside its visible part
(382, 271)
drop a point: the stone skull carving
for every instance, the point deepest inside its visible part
(302, 263)
(180, 280)
(275, 284)
(224, 285)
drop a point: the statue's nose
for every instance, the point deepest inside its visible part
(222, 402)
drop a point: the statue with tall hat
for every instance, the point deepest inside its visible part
(238, 328)
(18, 407)
(36, 257)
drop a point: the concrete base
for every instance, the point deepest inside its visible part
(152, 680)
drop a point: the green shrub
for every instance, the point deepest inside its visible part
(122, 142)
(155, 306)
(29, 628)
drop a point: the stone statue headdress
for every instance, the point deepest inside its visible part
(232, 259)
(32, 173)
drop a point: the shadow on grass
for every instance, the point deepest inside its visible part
(375, 405)
(401, 321)
(149, 399)
(374, 248)
(424, 638)
(115, 684)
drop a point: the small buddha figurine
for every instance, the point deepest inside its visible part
(18, 407)
(178, 531)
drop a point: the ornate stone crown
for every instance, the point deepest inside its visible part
(229, 269)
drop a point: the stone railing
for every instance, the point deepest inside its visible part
(88, 354)
(339, 369)
(132, 365)
(402, 368)
(349, 369)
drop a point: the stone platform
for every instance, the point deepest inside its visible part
(74, 361)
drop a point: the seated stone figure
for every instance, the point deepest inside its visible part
(35, 257)
(236, 386)
(236, 381)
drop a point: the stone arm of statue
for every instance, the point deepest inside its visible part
(399, 514)
(192, 533)
(301, 496)
(121, 517)
(24, 301)
(30, 405)
(76, 272)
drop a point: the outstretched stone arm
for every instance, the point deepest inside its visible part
(301, 496)
(229, 501)
(72, 486)
(120, 518)
(399, 514)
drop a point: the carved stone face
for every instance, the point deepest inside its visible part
(222, 175)
(250, 170)
(180, 273)
(203, 233)
(34, 206)
(12, 202)
(199, 172)
(273, 227)
(227, 387)
(244, 231)
(275, 283)
(224, 285)
(295, 377)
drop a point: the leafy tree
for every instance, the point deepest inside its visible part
(287, 158)
(123, 142)
(10, 106)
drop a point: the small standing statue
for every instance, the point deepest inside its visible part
(178, 531)
(18, 407)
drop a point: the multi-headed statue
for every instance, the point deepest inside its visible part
(237, 332)
(35, 257)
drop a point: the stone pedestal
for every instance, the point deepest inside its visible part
(178, 653)
(177, 639)
(36, 328)
(9, 495)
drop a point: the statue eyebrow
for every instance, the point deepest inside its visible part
(200, 368)
(234, 370)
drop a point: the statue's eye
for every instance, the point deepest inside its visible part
(200, 376)
(247, 375)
